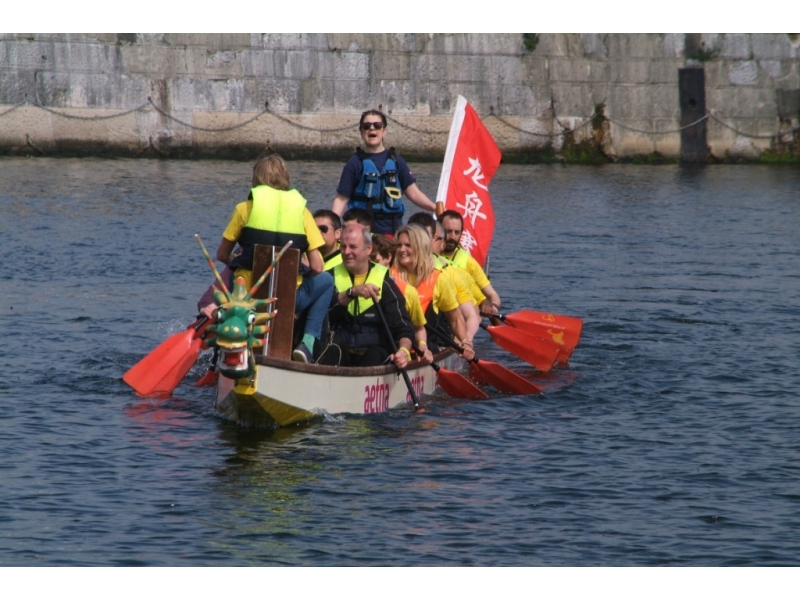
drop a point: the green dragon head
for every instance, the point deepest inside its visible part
(239, 326)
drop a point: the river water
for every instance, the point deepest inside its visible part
(673, 438)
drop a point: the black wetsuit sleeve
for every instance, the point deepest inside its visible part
(394, 307)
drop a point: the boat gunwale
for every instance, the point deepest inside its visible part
(290, 365)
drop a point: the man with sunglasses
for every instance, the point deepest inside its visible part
(330, 226)
(375, 179)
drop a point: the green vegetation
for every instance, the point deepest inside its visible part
(530, 41)
(770, 157)
(654, 158)
(704, 54)
(585, 153)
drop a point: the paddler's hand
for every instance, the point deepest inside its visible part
(208, 311)
(487, 309)
(367, 290)
(469, 351)
(400, 359)
(424, 355)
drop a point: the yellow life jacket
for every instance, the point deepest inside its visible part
(459, 259)
(344, 281)
(333, 260)
(277, 216)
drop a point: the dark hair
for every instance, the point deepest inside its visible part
(336, 220)
(423, 219)
(453, 215)
(383, 246)
(373, 111)
(359, 215)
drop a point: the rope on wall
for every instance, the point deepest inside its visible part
(565, 130)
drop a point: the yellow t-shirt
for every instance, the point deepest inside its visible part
(475, 288)
(474, 269)
(239, 219)
(413, 306)
(464, 285)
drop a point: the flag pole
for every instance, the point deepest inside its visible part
(449, 153)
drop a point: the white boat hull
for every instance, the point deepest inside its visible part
(284, 392)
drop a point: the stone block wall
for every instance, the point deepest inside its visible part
(301, 94)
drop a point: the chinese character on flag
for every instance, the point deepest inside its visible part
(470, 161)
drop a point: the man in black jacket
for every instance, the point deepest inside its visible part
(359, 334)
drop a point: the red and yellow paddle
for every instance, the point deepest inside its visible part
(160, 372)
(492, 373)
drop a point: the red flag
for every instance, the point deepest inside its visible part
(470, 161)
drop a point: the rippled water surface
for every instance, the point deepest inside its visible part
(672, 439)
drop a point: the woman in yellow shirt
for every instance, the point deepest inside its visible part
(414, 264)
(383, 250)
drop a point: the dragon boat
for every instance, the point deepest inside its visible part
(259, 384)
(282, 392)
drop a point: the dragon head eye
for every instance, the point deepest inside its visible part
(251, 319)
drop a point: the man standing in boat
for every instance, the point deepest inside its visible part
(375, 179)
(359, 335)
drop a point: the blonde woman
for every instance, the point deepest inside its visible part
(383, 254)
(414, 264)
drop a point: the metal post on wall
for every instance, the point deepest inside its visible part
(692, 94)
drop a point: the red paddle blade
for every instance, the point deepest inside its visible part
(145, 375)
(561, 329)
(550, 334)
(505, 380)
(458, 386)
(173, 378)
(534, 351)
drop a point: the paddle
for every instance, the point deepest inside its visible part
(562, 330)
(484, 371)
(455, 384)
(162, 370)
(534, 351)
(411, 391)
(549, 334)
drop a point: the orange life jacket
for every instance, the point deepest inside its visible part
(424, 288)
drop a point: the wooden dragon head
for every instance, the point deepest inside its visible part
(239, 326)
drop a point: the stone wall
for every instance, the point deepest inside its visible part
(235, 95)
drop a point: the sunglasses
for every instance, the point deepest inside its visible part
(367, 125)
(323, 228)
